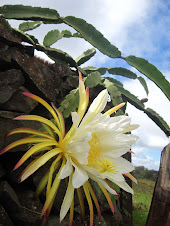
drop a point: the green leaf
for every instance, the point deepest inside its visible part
(56, 54)
(158, 120)
(51, 37)
(70, 103)
(122, 71)
(144, 84)
(88, 70)
(54, 35)
(93, 79)
(151, 72)
(27, 26)
(85, 56)
(82, 71)
(114, 81)
(66, 33)
(33, 38)
(115, 94)
(77, 35)
(93, 36)
(131, 98)
(24, 37)
(21, 12)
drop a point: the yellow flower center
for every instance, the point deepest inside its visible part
(94, 152)
(106, 164)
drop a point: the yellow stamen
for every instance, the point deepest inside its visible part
(94, 152)
(106, 165)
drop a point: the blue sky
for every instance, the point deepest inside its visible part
(136, 27)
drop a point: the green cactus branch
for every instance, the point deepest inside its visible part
(93, 36)
(21, 12)
(27, 26)
(88, 32)
(150, 71)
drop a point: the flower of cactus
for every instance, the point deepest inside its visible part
(91, 149)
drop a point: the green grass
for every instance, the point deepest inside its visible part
(147, 182)
(142, 198)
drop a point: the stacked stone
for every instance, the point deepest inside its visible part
(21, 71)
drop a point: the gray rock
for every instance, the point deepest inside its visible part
(7, 123)
(10, 81)
(55, 220)
(60, 193)
(47, 81)
(5, 59)
(6, 192)
(4, 218)
(20, 215)
(19, 102)
(2, 171)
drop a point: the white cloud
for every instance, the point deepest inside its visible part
(145, 156)
(157, 141)
(146, 161)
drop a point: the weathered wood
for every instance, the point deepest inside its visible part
(159, 214)
(126, 200)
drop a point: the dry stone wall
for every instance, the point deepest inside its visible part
(21, 72)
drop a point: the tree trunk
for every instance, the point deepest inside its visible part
(159, 213)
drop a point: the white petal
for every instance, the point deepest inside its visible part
(100, 123)
(119, 122)
(99, 103)
(75, 119)
(91, 171)
(117, 152)
(82, 158)
(119, 180)
(97, 106)
(113, 176)
(103, 183)
(66, 170)
(124, 186)
(128, 138)
(122, 165)
(115, 145)
(129, 128)
(79, 177)
(67, 200)
(79, 147)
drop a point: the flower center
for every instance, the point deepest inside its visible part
(106, 165)
(94, 152)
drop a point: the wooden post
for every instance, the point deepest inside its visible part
(159, 214)
(126, 200)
